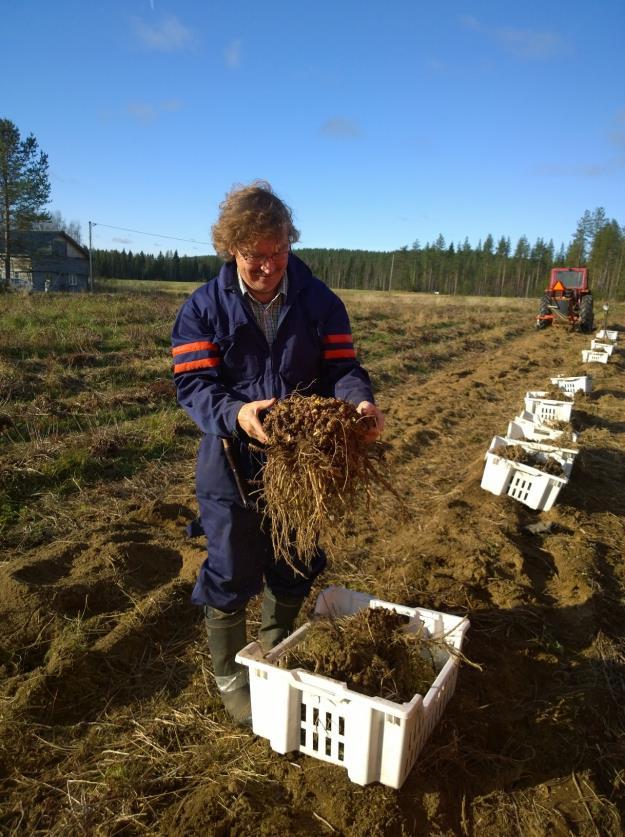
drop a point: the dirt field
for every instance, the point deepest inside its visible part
(110, 721)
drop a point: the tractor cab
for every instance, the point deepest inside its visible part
(568, 280)
(567, 298)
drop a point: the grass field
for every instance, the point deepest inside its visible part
(110, 722)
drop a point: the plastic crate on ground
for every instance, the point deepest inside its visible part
(581, 383)
(375, 739)
(524, 428)
(542, 393)
(593, 356)
(602, 347)
(547, 409)
(606, 334)
(528, 485)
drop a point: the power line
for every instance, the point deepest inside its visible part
(154, 235)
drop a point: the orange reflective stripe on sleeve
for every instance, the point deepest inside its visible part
(200, 346)
(205, 363)
(337, 338)
(331, 354)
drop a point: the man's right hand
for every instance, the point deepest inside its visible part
(249, 421)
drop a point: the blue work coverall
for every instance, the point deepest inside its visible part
(222, 360)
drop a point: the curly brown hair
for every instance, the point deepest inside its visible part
(249, 213)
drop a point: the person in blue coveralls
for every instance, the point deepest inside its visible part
(264, 327)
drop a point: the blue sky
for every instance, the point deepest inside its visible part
(379, 123)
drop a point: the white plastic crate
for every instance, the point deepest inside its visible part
(375, 739)
(592, 356)
(524, 428)
(608, 348)
(528, 485)
(606, 334)
(547, 409)
(582, 383)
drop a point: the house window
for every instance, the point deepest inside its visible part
(72, 280)
(59, 248)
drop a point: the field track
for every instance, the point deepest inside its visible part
(110, 722)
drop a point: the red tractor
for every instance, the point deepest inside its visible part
(567, 298)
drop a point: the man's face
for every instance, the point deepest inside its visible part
(262, 266)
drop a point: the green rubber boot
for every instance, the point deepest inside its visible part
(278, 615)
(226, 637)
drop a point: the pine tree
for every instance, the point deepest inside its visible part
(24, 185)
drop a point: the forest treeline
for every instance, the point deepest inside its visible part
(492, 268)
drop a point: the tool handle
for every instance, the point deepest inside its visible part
(238, 478)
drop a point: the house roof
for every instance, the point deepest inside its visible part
(25, 242)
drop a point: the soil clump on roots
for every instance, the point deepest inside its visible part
(318, 466)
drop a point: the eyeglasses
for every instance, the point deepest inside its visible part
(258, 259)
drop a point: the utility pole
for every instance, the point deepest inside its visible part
(91, 224)
(390, 278)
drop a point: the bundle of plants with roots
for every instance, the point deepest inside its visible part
(318, 467)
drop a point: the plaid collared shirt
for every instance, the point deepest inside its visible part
(266, 314)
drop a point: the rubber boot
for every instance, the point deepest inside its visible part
(226, 637)
(278, 615)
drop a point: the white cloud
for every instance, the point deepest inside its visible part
(141, 111)
(340, 127)
(148, 112)
(578, 169)
(232, 54)
(617, 135)
(435, 65)
(171, 105)
(617, 138)
(167, 36)
(470, 22)
(523, 43)
(120, 240)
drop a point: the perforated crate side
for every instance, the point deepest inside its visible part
(546, 410)
(538, 491)
(591, 356)
(581, 383)
(521, 428)
(608, 348)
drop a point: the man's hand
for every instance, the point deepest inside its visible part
(249, 421)
(375, 427)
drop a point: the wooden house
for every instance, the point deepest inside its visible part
(46, 260)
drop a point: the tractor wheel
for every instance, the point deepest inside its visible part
(586, 315)
(544, 309)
